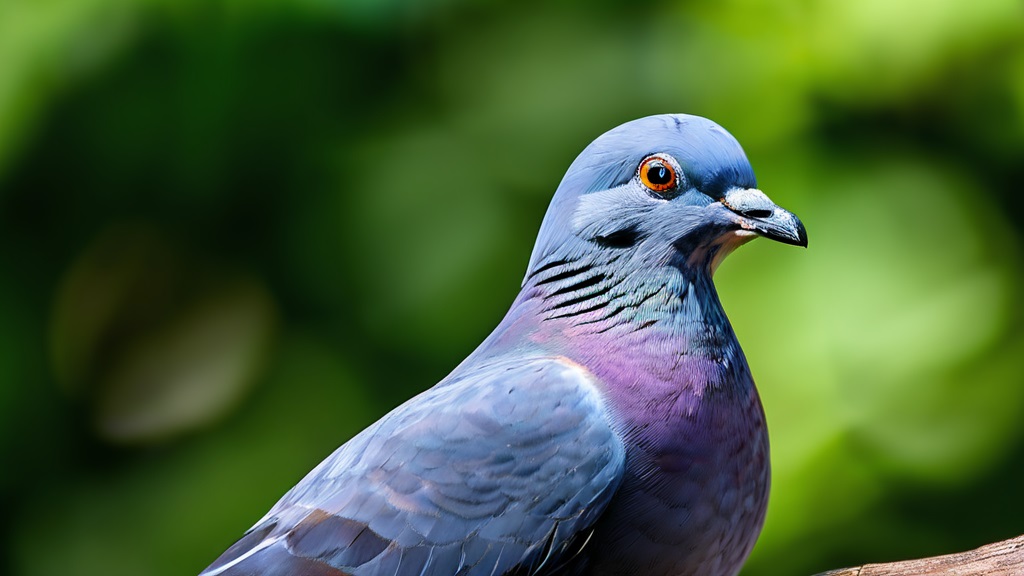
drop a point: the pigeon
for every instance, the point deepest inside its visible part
(608, 426)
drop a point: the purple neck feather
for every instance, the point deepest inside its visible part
(651, 328)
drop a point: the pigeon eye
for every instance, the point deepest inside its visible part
(657, 174)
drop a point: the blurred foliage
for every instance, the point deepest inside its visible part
(234, 233)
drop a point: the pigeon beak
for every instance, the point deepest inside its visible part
(757, 213)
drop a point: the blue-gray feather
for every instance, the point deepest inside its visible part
(501, 468)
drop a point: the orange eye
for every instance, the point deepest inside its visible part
(657, 174)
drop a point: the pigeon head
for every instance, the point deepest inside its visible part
(663, 190)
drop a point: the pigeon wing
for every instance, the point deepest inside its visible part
(503, 470)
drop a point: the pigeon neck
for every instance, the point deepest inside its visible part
(576, 291)
(628, 325)
(607, 304)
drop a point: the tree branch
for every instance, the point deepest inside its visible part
(1004, 558)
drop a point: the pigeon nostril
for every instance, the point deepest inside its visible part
(757, 213)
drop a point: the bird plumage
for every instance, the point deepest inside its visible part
(608, 426)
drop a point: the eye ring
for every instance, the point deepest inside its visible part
(658, 174)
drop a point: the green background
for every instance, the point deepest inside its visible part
(234, 233)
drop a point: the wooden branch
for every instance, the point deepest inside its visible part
(1004, 558)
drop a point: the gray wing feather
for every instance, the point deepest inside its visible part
(503, 469)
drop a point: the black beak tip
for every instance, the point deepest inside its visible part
(801, 235)
(787, 229)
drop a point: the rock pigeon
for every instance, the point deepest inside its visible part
(608, 426)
